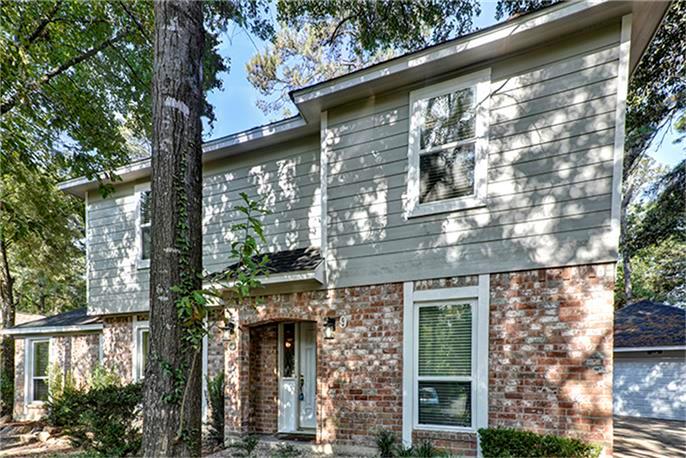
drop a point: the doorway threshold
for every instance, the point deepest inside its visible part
(302, 436)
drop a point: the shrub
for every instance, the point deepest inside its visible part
(104, 418)
(385, 443)
(286, 451)
(245, 447)
(103, 377)
(388, 446)
(215, 395)
(511, 443)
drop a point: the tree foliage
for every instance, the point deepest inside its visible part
(321, 40)
(657, 89)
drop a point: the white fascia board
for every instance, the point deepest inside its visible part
(52, 329)
(639, 349)
(509, 30)
(318, 274)
(214, 149)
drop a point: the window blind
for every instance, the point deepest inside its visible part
(444, 367)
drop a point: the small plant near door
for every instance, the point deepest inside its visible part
(245, 447)
(389, 447)
(386, 444)
(286, 451)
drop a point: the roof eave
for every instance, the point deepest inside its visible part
(43, 330)
(230, 145)
(463, 52)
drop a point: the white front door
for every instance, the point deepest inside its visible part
(307, 350)
(297, 376)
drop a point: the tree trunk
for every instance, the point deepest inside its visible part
(172, 394)
(7, 314)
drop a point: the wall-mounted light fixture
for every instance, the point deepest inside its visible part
(329, 328)
(231, 327)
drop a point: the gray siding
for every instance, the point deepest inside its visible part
(287, 178)
(550, 163)
(550, 166)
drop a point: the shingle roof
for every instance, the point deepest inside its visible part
(650, 324)
(298, 260)
(71, 318)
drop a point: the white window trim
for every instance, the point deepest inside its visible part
(28, 369)
(140, 262)
(479, 297)
(481, 80)
(137, 370)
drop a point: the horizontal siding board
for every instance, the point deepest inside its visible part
(555, 116)
(551, 149)
(519, 109)
(578, 71)
(396, 225)
(581, 246)
(416, 239)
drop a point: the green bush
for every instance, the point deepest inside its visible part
(386, 443)
(215, 392)
(512, 443)
(105, 418)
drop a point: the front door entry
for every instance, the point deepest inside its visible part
(297, 377)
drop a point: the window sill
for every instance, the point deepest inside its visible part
(143, 264)
(433, 208)
(445, 429)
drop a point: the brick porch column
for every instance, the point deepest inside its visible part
(236, 376)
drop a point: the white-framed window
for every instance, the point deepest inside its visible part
(143, 224)
(37, 363)
(448, 145)
(444, 370)
(445, 354)
(140, 351)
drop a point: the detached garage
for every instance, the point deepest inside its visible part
(650, 361)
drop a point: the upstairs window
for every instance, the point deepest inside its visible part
(144, 214)
(448, 145)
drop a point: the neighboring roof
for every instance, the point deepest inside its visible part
(508, 37)
(74, 320)
(301, 264)
(650, 324)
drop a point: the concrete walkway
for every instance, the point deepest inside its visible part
(645, 437)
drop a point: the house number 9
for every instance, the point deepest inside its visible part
(343, 321)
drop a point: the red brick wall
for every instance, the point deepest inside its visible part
(549, 363)
(550, 360)
(359, 372)
(264, 393)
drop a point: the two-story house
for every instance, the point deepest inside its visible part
(443, 240)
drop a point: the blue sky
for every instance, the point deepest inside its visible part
(236, 109)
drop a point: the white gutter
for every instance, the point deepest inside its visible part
(508, 30)
(52, 329)
(212, 149)
(635, 349)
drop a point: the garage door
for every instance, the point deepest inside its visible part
(650, 387)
